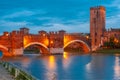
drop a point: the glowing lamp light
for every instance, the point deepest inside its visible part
(115, 40)
(46, 42)
(7, 34)
(87, 37)
(51, 42)
(43, 34)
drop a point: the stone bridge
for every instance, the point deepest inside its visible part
(77, 37)
(14, 43)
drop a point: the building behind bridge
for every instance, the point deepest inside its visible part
(113, 33)
(98, 33)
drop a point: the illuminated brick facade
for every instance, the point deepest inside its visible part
(15, 42)
(97, 25)
(112, 33)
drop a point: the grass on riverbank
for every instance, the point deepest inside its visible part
(108, 51)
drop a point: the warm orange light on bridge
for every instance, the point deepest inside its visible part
(25, 41)
(66, 39)
(51, 42)
(43, 34)
(7, 34)
(46, 42)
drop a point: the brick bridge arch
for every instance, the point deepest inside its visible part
(43, 48)
(5, 51)
(85, 45)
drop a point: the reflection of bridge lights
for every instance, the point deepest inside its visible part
(65, 55)
(50, 65)
(26, 62)
(52, 62)
(117, 69)
(66, 60)
(52, 59)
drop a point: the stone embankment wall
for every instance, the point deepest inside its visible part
(16, 72)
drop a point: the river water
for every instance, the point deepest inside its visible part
(71, 67)
(1, 54)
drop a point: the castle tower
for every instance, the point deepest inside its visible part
(97, 25)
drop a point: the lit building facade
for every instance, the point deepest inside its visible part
(97, 25)
(112, 33)
(98, 34)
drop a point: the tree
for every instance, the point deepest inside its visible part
(112, 43)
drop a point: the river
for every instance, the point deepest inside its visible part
(70, 67)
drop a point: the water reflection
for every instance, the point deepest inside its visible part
(65, 55)
(50, 65)
(1, 54)
(99, 68)
(117, 68)
(66, 60)
(25, 62)
(71, 67)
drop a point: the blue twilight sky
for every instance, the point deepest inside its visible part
(53, 15)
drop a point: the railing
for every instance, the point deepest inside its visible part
(18, 73)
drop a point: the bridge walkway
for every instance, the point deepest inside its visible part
(4, 74)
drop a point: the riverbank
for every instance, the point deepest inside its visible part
(108, 51)
(16, 72)
(4, 74)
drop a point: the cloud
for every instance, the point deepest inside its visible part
(116, 3)
(19, 14)
(113, 6)
(11, 24)
(44, 18)
(67, 15)
(78, 27)
(54, 24)
(113, 14)
(113, 21)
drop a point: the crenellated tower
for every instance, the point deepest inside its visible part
(97, 25)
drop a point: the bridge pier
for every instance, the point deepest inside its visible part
(18, 52)
(56, 50)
